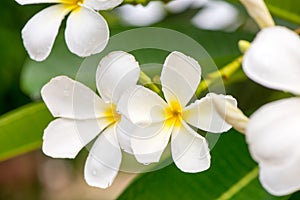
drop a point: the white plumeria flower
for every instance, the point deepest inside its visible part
(140, 15)
(86, 31)
(82, 115)
(273, 60)
(214, 15)
(177, 6)
(218, 15)
(156, 120)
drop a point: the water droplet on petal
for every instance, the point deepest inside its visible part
(66, 92)
(94, 172)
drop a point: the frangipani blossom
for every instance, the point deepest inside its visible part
(214, 14)
(272, 133)
(157, 119)
(86, 31)
(218, 15)
(82, 115)
(140, 15)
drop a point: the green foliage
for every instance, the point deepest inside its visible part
(288, 9)
(21, 130)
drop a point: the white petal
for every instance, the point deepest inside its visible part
(86, 32)
(104, 160)
(180, 77)
(117, 72)
(142, 106)
(178, 6)
(41, 30)
(139, 15)
(273, 59)
(25, 2)
(102, 4)
(217, 15)
(202, 114)
(273, 131)
(64, 138)
(281, 179)
(124, 132)
(272, 135)
(148, 143)
(190, 150)
(67, 98)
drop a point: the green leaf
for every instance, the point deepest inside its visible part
(288, 9)
(233, 175)
(21, 130)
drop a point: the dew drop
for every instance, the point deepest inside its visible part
(66, 92)
(94, 172)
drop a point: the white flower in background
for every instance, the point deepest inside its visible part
(82, 115)
(214, 15)
(156, 120)
(86, 31)
(218, 15)
(178, 6)
(140, 15)
(273, 135)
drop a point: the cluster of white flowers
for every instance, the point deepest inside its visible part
(131, 117)
(272, 131)
(135, 119)
(214, 14)
(273, 60)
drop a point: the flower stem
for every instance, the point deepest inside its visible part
(147, 82)
(224, 73)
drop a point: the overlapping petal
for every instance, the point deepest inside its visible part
(272, 140)
(142, 106)
(67, 98)
(41, 30)
(104, 160)
(117, 72)
(179, 68)
(190, 150)
(148, 143)
(124, 133)
(64, 138)
(272, 135)
(202, 114)
(273, 59)
(86, 32)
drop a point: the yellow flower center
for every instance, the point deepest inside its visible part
(72, 4)
(173, 113)
(112, 115)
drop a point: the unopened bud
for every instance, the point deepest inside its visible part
(231, 114)
(243, 45)
(258, 10)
